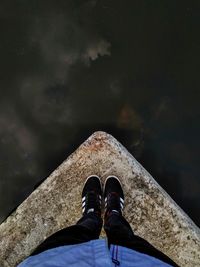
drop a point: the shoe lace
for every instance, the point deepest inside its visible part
(114, 201)
(92, 201)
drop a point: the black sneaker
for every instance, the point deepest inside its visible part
(91, 195)
(113, 196)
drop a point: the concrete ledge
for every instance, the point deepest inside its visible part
(55, 204)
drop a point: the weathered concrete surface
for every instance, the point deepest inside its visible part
(55, 204)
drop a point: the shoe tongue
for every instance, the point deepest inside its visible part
(115, 211)
(90, 210)
(114, 202)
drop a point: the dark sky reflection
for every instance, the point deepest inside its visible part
(73, 67)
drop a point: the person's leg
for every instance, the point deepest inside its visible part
(87, 228)
(117, 228)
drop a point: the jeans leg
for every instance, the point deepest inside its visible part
(86, 229)
(119, 232)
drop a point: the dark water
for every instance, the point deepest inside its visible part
(68, 68)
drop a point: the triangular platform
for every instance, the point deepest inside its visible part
(56, 204)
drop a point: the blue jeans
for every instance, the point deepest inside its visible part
(88, 228)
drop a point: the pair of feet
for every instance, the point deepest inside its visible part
(93, 194)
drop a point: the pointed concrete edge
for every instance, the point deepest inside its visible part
(56, 204)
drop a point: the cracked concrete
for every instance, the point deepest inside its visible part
(56, 204)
